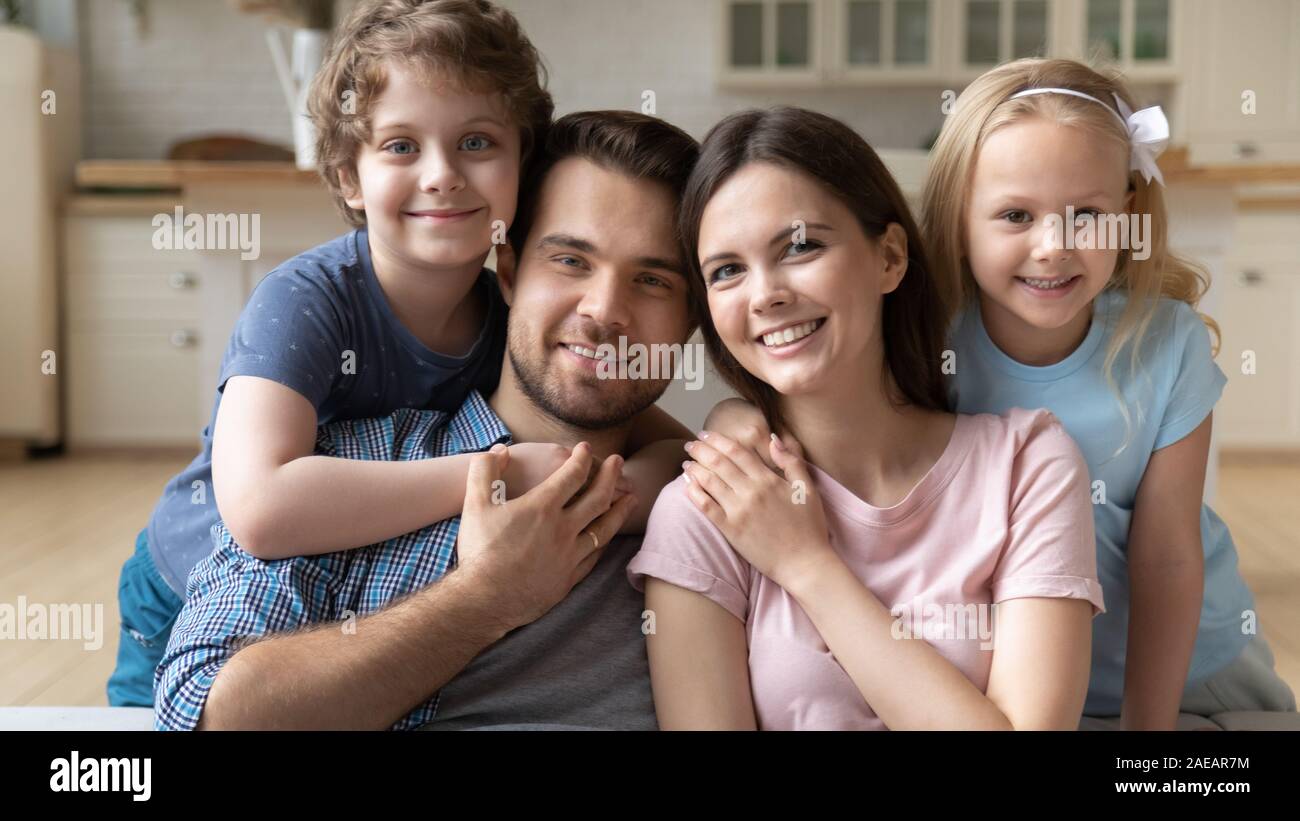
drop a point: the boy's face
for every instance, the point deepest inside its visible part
(440, 167)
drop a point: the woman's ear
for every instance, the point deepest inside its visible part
(507, 268)
(893, 250)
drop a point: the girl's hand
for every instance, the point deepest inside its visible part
(645, 473)
(775, 522)
(742, 422)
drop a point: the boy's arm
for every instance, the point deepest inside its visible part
(1166, 582)
(280, 500)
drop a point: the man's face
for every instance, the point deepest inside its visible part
(600, 262)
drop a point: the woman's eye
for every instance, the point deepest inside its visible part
(1017, 217)
(406, 147)
(795, 249)
(476, 143)
(723, 272)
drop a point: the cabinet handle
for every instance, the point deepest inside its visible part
(1250, 278)
(181, 280)
(183, 339)
(1245, 150)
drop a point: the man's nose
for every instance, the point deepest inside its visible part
(605, 300)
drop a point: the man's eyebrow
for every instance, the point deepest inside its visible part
(777, 237)
(566, 241)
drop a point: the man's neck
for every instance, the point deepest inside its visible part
(529, 423)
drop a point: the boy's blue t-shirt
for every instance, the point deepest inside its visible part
(1169, 396)
(321, 324)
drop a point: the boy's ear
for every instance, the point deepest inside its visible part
(507, 268)
(351, 191)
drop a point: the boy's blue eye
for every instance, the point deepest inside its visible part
(476, 143)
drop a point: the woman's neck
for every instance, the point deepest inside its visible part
(876, 449)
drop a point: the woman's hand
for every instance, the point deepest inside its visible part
(775, 522)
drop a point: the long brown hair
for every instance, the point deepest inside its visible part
(913, 317)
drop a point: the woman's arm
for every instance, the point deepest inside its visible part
(1166, 566)
(1038, 680)
(699, 662)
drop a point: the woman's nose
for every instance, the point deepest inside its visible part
(770, 290)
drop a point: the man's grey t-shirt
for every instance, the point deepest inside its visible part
(582, 665)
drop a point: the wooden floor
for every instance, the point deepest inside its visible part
(68, 524)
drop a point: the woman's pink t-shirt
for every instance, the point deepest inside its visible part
(1004, 513)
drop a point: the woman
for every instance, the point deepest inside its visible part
(855, 588)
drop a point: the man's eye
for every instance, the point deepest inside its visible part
(658, 282)
(570, 262)
(476, 143)
(400, 148)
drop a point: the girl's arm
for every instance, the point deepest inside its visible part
(655, 447)
(699, 662)
(1166, 565)
(279, 499)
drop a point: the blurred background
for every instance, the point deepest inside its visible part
(116, 111)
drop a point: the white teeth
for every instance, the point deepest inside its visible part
(776, 339)
(1046, 284)
(587, 352)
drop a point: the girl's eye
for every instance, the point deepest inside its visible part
(1017, 217)
(723, 272)
(407, 147)
(476, 143)
(1092, 212)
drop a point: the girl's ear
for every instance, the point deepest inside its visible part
(893, 249)
(507, 264)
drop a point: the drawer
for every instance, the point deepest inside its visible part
(132, 389)
(100, 242)
(149, 291)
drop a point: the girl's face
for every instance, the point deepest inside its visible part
(1025, 176)
(794, 284)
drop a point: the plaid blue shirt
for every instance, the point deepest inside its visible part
(233, 597)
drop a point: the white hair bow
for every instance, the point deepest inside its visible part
(1148, 130)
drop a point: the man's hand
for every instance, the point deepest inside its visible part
(530, 551)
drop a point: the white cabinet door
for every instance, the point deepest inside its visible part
(1259, 315)
(1246, 76)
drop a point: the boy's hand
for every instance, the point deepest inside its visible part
(743, 423)
(530, 464)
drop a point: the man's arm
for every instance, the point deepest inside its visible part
(328, 678)
(517, 560)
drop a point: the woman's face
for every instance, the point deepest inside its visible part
(794, 284)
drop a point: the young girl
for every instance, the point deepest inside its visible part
(1109, 340)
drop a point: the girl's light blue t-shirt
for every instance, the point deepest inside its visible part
(1172, 392)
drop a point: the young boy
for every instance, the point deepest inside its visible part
(427, 113)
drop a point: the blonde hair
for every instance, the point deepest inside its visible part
(475, 42)
(983, 108)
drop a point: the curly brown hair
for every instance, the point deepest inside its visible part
(478, 43)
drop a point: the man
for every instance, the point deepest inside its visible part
(512, 614)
